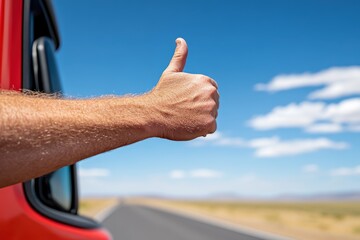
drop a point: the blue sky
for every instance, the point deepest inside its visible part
(264, 145)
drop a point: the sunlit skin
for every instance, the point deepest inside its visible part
(39, 134)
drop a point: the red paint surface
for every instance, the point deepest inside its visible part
(19, 221)
(10, 44)
(17, 218)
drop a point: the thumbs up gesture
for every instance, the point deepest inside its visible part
(186, 104)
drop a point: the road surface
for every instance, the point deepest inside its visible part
(132, 222)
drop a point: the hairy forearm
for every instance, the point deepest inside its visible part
(41, 134)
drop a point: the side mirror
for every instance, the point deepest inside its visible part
(55, 196)
(58, 189)
(61, 189)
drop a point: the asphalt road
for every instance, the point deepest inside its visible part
(130, 222)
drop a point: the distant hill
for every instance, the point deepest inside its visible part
(333, 196)
(231, 196)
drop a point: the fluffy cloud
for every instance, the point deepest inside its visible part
(292, 115)
(325, 128)
(336, 82)
(274, 146)
(94, 172)
(346, 171)
(197, 173)
(297, 146)
(347, 111)
(312, 116)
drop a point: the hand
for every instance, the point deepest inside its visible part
(188, 103)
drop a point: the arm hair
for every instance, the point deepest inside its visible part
(40, 133)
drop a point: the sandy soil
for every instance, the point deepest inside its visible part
(91, 207)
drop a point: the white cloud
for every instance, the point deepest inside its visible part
(213, 136)
(218, 139)
(336, 82)
(208, 138)
(324, 128)
(346, 171)
(292, 115)
(275, 147)
(312, 116)
(263, 142)
(205, 173)
(354, 128)
(94, 172)
(196, 173)
(310, 168)
(298, 146)
(347, 111)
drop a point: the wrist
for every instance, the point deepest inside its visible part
(122, 116)
(141, 114)
(153, 119)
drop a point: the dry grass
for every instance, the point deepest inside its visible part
(90, 207)
(299, 220)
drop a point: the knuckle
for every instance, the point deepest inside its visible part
(212, 103)
(210, 122)
(203, 78)
(210, 92)
(213, 91)
(213, 127)
(209, 106)
(209, 80)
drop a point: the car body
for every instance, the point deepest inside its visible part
(46, 207)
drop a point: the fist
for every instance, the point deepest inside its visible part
(187, 104)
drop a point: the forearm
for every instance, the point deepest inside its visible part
(39, 135)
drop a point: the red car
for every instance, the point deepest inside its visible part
(45, 207)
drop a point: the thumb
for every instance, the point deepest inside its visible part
(178, 60)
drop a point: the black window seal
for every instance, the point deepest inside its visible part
(59, 216)
(49, 15)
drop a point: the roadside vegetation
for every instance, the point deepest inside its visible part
(91, 207)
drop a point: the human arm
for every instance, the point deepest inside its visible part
(41, 134)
